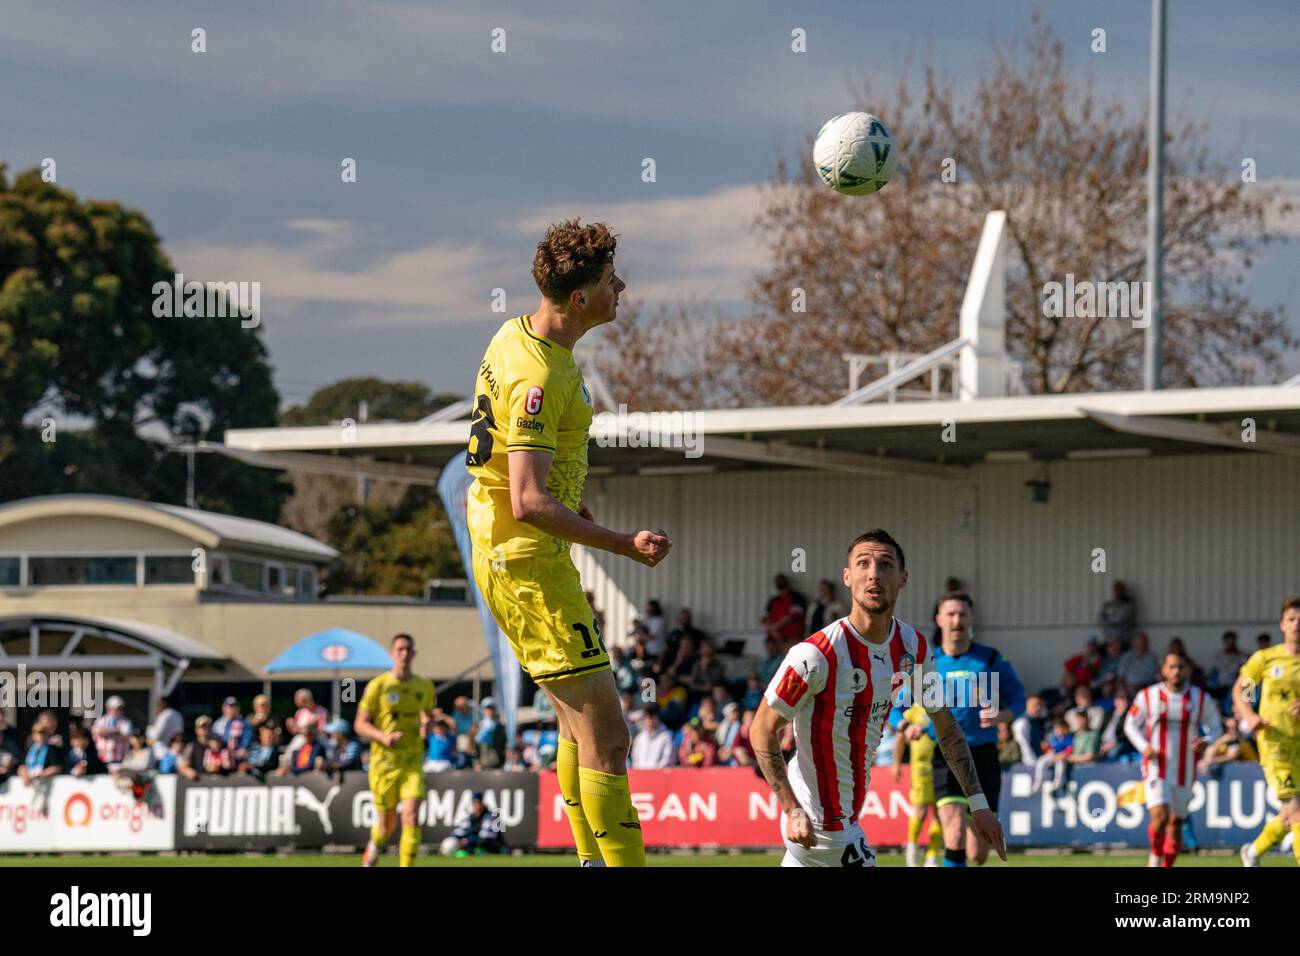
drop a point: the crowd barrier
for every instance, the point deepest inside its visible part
(722, 807)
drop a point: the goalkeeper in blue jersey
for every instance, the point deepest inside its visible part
(981, 689)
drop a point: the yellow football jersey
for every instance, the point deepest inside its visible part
(528, 394)
(397, 705)
(920, 752)
(1277, 674)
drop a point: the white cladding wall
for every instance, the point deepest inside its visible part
(1204, 542)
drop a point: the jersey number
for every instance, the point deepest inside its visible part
(479, 449)
(591, 649)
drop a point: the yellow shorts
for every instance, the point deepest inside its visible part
(922, 793)
(540, 605)
(1281, 765)
(389, 785)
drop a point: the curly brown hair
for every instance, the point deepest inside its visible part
(570, 256)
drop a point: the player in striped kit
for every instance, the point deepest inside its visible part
(838, 687)
(1164, 725)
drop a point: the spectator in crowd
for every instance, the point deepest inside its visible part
(652, 749)
(1085, 742)
(1030, 730)
(727, 733)
(261, 714)
(43, 759)
(1229, 748)
(344, 750)
(218, 757)
(479, 831)
(1008, 749)
(784, 618)
(169, 762)
(1094, 714)
(1138, 667)
(462, 716)
(442, 747)
(82, 755)
(682, 663)
(307, 753)
(544, 709)
(1083, 667)
(707, 671)
(135, 771)
(308, 711)
(1263, 641)
(166, 724)
(632, 715)
(515, 759)
(707, 715)
(642, 664)
(490, 738)
(721, 697)
(654, 627)
(1060, 699)
(1112, 655)
(263, 758)
(827, 609)
(753, 692)
(1056, 754)
(773, 656)
(625, 675)
(50, 721)
(194, 755)
(1115, 745)
(685, 628)
(232, 730)
(672, 700)
(742, 751)
(112, 732)
(1118, 616)
(11, 755)
(1224, 667)
(697, 748)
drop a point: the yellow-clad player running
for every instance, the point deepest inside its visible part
(528, 454)
(1275, 671)
(920, 758)
(394, 716)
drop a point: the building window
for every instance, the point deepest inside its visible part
(11, 572)
(246, 574)
(274, 578)
(115, 569)
(168, 569)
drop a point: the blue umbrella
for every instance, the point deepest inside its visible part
(336, 649)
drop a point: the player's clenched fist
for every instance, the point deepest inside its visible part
(650, 547)
(798, 828)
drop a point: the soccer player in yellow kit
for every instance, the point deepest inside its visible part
(394, 715)
(920, 757)
(528, 455)
(1275, 671)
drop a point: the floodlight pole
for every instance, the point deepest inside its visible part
(1153, 353)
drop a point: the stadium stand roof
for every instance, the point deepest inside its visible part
(901, 438)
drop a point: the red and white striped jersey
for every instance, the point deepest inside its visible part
(1171, 724)
(836, 687)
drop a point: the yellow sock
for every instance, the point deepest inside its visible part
(1270, 836)
(913, 830)
(409, 846)
(936, 839)
(607, 805)
(566, 768)
(377, 835)
(1295, 841)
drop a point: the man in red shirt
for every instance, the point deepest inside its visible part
(784, 619)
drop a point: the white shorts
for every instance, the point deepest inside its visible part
(847, 847)
(1162, 793)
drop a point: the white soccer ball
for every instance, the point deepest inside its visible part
(449, 846)
(854, 154)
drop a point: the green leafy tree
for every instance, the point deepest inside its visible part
(80, 346)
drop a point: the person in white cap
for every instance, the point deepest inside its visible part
(112, 733)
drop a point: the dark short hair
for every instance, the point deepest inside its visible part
(402, 636)
(957, 596)
(879, 536)
(571, 256)
(1291, 604)
(1173, 652)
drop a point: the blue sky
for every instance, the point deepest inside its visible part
(464, 155)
